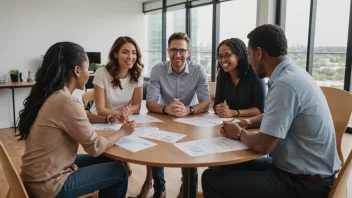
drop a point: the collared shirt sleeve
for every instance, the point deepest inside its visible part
(153, 93)
(281, 108)
(258, 97)
(99, 78)
(75, 122)
(202, 86)
(219, 93)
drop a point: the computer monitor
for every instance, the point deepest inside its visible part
(94, 58)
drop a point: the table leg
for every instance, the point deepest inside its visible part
(189, 189)
(13, 108)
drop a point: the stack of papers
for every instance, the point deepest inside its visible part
(210, 146)
(209, 120)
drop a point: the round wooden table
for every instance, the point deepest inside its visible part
(167, 155)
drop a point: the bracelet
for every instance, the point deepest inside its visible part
(107, 121)
(238, 112)
(163, 110)
(239, 135)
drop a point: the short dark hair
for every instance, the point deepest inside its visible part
(269, 37)
(179, 36)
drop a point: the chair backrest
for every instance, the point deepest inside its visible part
(15, 183)
(340, 104)
(87, 97)
(339, 190)
(212, 90)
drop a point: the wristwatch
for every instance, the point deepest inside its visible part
(191, 110)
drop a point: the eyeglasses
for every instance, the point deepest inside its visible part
(181, 51)
(226, 56)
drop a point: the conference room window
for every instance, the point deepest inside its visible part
(237, 19)
(175, 22)
(153, 36)
(330, 43)
(201, 36)
(296, 29)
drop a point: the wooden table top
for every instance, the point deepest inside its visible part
(17, 84)
(167, 155)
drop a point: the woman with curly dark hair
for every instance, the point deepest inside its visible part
(53, 123)
(239, 92)
(118, 86)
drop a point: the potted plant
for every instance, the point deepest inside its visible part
(14, 75)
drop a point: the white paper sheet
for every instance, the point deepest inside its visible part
(133, 143)
(164, 136)
(205, 121)
(139, 131)
(210, 146)
(215, 118)
(112, 127)
(142, 118)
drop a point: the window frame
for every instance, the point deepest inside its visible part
(281, 20)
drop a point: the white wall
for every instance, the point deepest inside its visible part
(29, 28)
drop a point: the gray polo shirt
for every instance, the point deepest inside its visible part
(296, 111)
(190, 86)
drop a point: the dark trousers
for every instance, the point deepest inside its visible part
(101, 173)
(159, 179)
(258, 178)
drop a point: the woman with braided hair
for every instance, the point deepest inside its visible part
(239, 92)
(53, 123)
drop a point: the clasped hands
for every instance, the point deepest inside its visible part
(223, 110)
(122, 115)
(177, 108)
(232, 129)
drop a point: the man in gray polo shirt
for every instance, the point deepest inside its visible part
(296, 128)
(177, 87)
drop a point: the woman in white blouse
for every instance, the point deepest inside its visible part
(118, 86)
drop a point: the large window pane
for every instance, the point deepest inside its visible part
(175, 22)
(232, 22)
(201, 36)
(153, 53)
(330, 42)
(297, 24)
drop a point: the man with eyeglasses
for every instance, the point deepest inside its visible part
(177, 87)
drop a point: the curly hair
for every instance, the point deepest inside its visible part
(269, 37)
(237, 47)
(58, 63)
(113, 64)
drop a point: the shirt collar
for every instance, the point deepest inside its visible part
(278, 69)
(170, 71)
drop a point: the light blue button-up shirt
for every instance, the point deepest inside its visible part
(296, 111)
(190, 86)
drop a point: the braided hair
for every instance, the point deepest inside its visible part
(58, 63)
(237, 47)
